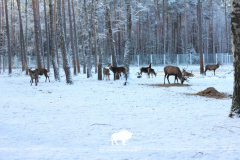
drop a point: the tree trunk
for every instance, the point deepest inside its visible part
(89, 50)
(26, 31)
(210, 30)
(185, 29)
(8, 39)
(36, 33)
(200, 36)
(98, 43)
(66, 66)
(55, 30)
(47, 38)
(22, 43)
(128, 25)
(235, 39)
(75, 38)
(3, 37)
(110, 34)
(52, 46)
(71, 38)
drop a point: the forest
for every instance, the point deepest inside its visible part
(87, 34)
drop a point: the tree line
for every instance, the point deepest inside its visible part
(88, 29)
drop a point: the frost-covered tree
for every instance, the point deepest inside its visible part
(127, 51)
(66, 66)
(98, 42)
(52, 46)
(235, 39)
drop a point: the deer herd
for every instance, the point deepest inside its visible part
(117, 71)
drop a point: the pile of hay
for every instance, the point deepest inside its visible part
(212, 93)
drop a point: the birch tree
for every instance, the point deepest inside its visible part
(128, 35)
(66, 65)
(235, 40)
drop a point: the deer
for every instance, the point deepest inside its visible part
(118, 70)
(187, 74)
(106, 73)
(212, 67)
(44, 71)
(175, 71)
(151, 71)
(34, 75)
(145, 69)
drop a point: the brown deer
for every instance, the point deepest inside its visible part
(145, 69)
(34, 75)
(187, 74)
(106, 73)
(212, 67)
(175, 71)
(45, 72)
(118, 70)
(151, 71)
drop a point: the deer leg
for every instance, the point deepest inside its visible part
(214, 72)
(164, 78)
(168, 79)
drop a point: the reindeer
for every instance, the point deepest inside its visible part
(118, 70)
(187, 74)
(151, 71)
(175, 71)
(44, 71)
(34, 75)
(212, 67)
(106, 73)
(145, 69)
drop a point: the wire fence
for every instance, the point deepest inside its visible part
(135, 60)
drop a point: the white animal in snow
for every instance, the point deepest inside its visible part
(121, 136)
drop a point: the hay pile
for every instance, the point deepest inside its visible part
(212, 93)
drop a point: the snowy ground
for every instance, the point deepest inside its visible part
(58, 121)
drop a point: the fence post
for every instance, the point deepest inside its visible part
(177, 60)
(190, 59)
(151, 58)
(138, 59)
(164, 59)
(203, 60)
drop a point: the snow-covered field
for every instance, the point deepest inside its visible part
(58, 121)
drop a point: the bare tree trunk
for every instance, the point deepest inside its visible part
(52, 46)
(210, 38)
(3, 37)
(185, 37)
(127, 51)
(200, 36)
(22, 43)
(235, 39)
(75, 38)
(26, 34)
(98, 43)
(47, 36)
(225, 10)
(55, 30)
(71, 38)
(36, 33)
(1, 46)
(110, 34)
(164, 41)
(8, 39)
(66, 66)
(89, 29)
